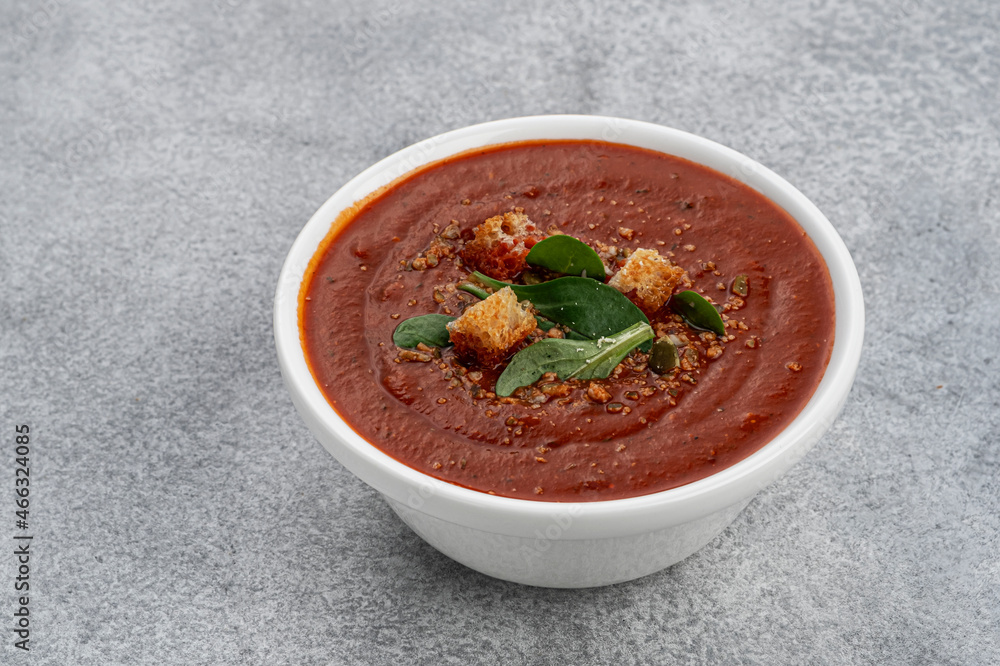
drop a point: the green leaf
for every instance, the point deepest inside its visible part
(569, 359)
(591, 308)
(697, 312)
(429, 329)
(566, 255)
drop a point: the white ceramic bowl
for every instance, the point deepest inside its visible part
(581, 544)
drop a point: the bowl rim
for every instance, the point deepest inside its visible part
(574, 520)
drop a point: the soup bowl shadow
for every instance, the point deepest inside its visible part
(571, 544)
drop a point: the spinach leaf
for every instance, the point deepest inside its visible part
(580, 359)
(429, 329)
(566, 255)
(697, 312)
(591, 308)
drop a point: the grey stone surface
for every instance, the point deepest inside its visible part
(156, 162)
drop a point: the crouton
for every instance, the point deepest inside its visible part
(501, 244)
(489, 329)
(648, 279)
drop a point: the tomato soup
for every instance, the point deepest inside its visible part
(397, 255)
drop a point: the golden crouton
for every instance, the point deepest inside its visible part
(648, 279)
(489, 329)
(501, 244)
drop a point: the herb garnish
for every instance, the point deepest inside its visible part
(571, 359)
(697, 312)
(429, 329)
(566, 255)
(602, 326)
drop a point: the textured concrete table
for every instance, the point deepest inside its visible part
(157, 162)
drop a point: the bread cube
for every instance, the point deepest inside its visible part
(501, 244)
(648, 279)
(489, 329)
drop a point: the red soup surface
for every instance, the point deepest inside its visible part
(634, 433)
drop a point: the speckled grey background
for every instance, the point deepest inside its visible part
(156, 163)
